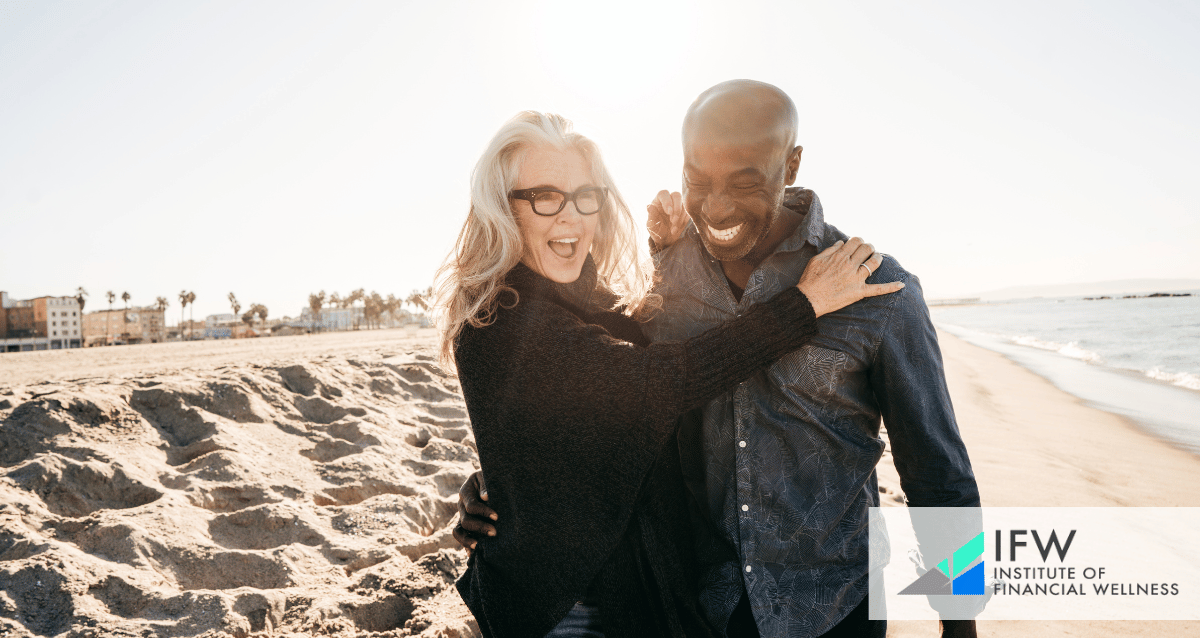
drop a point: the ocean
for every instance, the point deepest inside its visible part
(1137, 357)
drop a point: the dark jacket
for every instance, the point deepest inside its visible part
(572, 409)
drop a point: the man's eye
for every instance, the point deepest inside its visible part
(745, 187)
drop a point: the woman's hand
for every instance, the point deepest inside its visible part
(837, 277)
(665, 219)
(474, 516)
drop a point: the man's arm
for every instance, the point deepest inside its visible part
(910, 388)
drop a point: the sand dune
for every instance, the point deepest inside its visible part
(307, 485)
(310, 495)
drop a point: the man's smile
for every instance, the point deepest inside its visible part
(725, 235)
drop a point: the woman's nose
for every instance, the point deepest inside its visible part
(568, 214)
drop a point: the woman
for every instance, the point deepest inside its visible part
(573, 410)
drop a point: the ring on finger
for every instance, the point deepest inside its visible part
(867, 267)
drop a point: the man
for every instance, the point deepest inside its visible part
(784, 466)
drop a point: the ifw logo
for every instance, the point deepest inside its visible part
(954, 575)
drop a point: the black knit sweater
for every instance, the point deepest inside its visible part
(572, 411)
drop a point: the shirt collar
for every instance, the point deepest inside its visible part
(812, 228)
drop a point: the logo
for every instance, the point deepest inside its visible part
(954, 576)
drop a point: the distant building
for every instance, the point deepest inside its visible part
(332, 319)
(120, 326)
(227, 326)
(44, 323)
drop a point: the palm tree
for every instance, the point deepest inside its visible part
(81, 297)
(355, 297)
(125, 315)
(255, 310)
(183, 302)
(192, 302)
(233, 303)
(160, 304)
(107, 318)
(417, 299)
(315, 303)
(391, 305)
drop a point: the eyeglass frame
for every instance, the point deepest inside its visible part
(528, 194)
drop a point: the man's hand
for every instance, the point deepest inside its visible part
(665, 219)
(837, 277)
(473, 513)
(957, 628)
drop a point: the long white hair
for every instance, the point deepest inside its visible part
(471, 280)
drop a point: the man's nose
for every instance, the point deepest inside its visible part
(718, 207)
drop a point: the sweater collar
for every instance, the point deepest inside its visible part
(584, 293)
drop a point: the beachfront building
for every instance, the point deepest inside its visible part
(226, 326)
(44, 323)
(333, 319)
(120, 326)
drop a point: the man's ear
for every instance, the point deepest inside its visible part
(793, 164)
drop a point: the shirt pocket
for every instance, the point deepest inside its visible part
(810, 376)
(825, 388)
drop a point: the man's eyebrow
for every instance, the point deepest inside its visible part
(748, 172)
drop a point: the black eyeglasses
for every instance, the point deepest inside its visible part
(548, 202)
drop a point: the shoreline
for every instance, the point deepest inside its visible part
(1155, 406)
(1035, 445)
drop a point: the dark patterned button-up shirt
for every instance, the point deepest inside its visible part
(786, 462)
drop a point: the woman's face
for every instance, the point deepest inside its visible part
(555, 247)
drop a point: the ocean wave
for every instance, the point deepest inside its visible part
(1181, 379)
(1071, 349)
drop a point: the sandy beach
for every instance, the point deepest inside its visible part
(307, 485)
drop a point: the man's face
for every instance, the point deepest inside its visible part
(732, 190)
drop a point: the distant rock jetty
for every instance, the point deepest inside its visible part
(1153, 294)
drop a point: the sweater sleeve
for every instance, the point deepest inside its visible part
(568, 421)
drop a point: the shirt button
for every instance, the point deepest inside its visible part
(747, 569)
(745, 508)
(741, 444)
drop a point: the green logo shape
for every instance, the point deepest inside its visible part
(964, 555)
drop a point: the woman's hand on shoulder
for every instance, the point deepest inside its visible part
(665, 219)
(837, 277)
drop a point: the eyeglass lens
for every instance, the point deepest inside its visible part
(587, 201)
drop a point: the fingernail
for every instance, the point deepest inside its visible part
(492, 533)
(902, 284)
(493, 516)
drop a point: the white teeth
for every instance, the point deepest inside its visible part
(725, 235)
(564, 247)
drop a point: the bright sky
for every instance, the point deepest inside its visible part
(277, 149)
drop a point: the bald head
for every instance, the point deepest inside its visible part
(741, 112)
